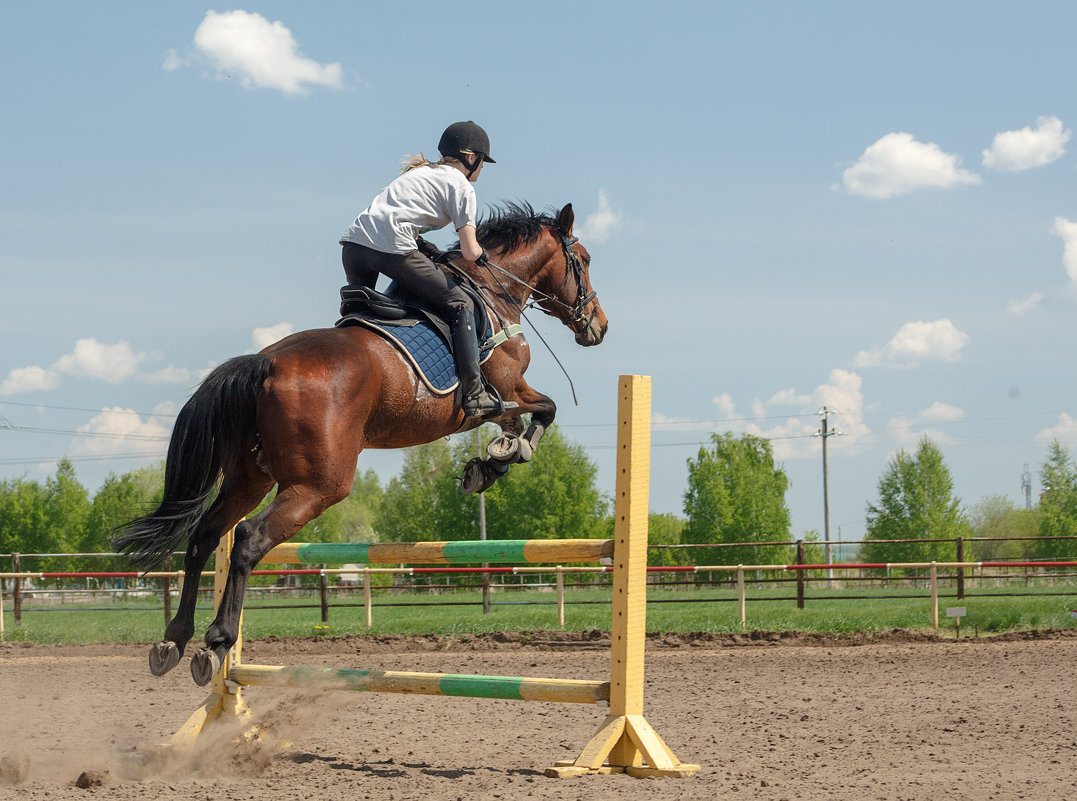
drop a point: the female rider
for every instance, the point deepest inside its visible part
(426, 197)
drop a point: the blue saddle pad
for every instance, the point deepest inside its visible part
(424, 348)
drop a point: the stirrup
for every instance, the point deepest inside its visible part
(483, 404)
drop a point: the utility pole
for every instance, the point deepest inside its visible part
(826, 433)
(482, 531)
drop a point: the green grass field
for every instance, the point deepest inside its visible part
(668, 610)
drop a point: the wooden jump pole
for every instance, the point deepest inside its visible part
(441, 553)
(568, 691)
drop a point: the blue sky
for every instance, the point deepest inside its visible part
(864, 206)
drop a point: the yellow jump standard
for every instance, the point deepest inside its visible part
(626, 742)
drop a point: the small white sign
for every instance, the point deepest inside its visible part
(956, 611)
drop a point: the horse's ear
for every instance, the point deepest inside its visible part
(565, 218)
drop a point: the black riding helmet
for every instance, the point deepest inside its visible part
(462, 139)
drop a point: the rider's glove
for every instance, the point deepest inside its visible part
(430, 250)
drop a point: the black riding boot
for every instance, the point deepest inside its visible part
(465, 340)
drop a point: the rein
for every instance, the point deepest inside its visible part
(574, 267)
(575, 313)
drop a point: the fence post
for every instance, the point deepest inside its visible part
(367, 598)
(740, 596)
(935, 597)
(560, 596)
(961, 570)
(800, 575)
(16, 594)
(323, 586)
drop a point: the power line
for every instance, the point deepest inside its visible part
(85, 409)
(88, 434)
(697, 442)
(691, 422)
(101, 458)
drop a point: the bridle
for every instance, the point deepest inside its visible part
(575, 315)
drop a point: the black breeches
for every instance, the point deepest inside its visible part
(414, 272)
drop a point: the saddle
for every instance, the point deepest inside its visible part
(396, 307)
(420, 333)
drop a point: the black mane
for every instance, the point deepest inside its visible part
(510, 225)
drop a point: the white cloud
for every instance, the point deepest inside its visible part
(260, 53)
(29, 379)
(942, 412)
(264, 337)
(1013, 151)
(661, 422)
(788, 397)
(171, 375)
(93, 359)
(96, 360)
(1065, 430)
(915, 342)
(173, 61)
(907, 434)
(599, 226)
(898, 164)
(725, 404)
(166, 408)
(793, 438)
(1067, 229)
(116, 430)
(1031, 303)
(908, 431)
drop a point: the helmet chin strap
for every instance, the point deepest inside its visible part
(471, 165)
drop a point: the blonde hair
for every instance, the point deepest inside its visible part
(409, 163)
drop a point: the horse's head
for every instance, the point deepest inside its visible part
(573, 301)
(543, 264)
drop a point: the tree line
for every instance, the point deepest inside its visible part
(735, 494)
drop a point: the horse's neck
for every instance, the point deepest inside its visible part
(526, 265)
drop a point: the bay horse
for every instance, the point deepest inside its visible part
(297, 414)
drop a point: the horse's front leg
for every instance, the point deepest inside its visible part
(542, 409)
(514, 444)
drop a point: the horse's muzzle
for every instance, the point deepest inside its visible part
(592, 328)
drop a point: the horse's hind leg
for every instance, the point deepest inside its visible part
(166, 654)
(293, 508)
(232, 503)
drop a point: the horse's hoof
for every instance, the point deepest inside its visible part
(504, 448)
(204, 666)
(164, 656)
(474, 479)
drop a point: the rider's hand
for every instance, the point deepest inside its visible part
(429, 249)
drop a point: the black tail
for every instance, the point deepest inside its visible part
(207, 438)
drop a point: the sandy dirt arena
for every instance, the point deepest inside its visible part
(881, 717)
